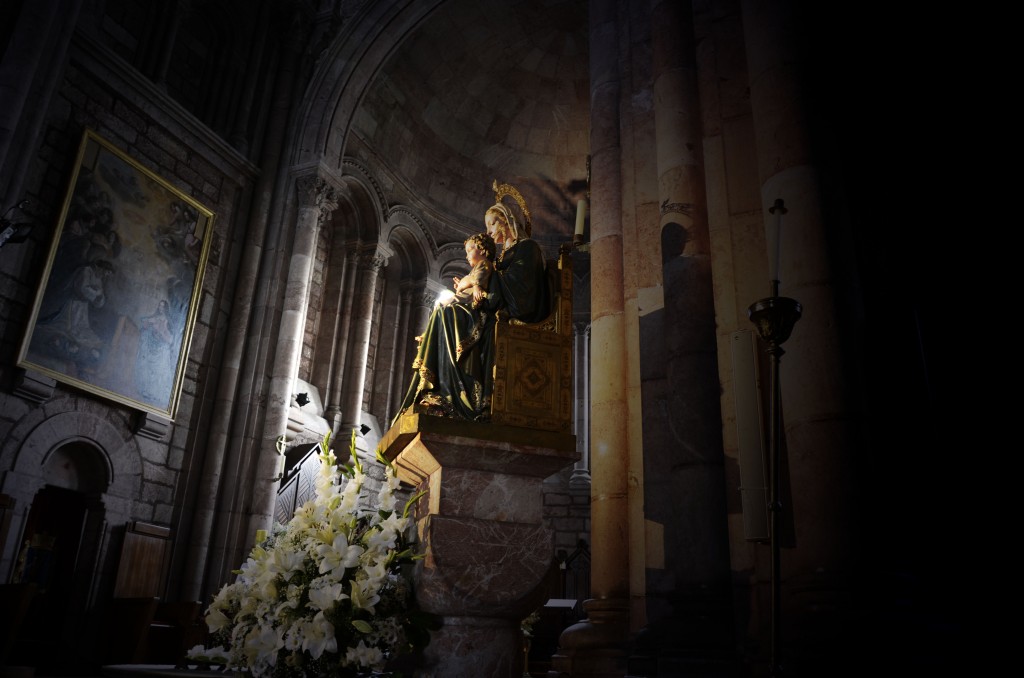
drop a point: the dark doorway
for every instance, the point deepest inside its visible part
(52, 557)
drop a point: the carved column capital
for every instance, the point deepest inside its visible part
(315, 192)
(373, 258)
(431, 291)
(417, 293)
(371, 262)
(409, 289)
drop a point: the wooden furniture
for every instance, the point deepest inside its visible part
(6, 513)
(15, 600)
(533, 361)
(127, 628)
(144, 554)
(141, 626)
(176, 628)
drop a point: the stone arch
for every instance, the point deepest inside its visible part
(412, 243)
(78, 465)
(345, 71)
(359, 216)
(47, 437)
(452, 262)
(42, 432)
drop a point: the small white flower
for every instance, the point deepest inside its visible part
(362, 655)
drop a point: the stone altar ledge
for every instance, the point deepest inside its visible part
(496, 448)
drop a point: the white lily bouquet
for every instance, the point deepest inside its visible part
(329, 595)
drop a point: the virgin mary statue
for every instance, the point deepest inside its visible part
(453, 370)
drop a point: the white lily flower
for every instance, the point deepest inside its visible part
(286, 562)
(324, 593)
(319, 636)
(264, 642)
(338, 556)
(275, 616)
(365, 595)
(380, 540)
(216, 620)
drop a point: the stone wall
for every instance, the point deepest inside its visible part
(100, 93)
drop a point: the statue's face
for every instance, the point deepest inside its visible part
(495, 227)
(473, 254)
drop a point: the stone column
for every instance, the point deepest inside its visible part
(487, 553)
(369, 263)
(597, 645)
(422, 295)
(403, 348)
(400, 355)
(316, 201)
(581, 373)
(341, 340)
(819, 419)
(159, 61)
(257, 54)
(215, 544)
(29, 69)
(324, 367)
(386, 337)
(424, 304)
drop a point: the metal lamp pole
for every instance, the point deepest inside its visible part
(775, 318)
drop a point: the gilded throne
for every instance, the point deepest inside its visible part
(533, 361)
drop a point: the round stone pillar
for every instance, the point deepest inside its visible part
(316, 200)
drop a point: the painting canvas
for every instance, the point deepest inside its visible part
(115, 311)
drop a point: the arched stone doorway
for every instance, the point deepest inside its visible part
(71, 479)
(59, 546)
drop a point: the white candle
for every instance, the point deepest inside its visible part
(775, 239)
(581, 216)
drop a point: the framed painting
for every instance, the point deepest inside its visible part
(115, 311)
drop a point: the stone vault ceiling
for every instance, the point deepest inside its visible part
(485, 89)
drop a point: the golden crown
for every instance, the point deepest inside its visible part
(501, 190)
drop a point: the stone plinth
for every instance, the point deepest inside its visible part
(487, 551)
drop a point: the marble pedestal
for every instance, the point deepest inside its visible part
(480, 526)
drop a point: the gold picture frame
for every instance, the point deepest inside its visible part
(117, 305)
